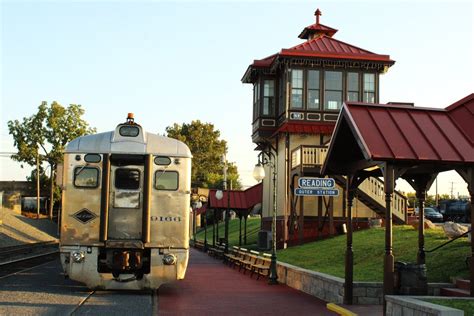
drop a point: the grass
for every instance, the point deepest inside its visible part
(253, 226)
(465, 305)
(327, 256)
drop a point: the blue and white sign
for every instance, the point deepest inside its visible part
(313, 183)
(317, 192)
(316, 187)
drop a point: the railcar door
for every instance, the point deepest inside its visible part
(125, 200)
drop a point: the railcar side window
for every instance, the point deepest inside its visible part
(162, 161)
(86, 177)
(128, 179)
(166, 180)
(92, 158)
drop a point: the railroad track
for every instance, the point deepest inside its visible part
(39, 275)
(13, 254)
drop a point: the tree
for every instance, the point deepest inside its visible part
(207, 150)
(43, 136)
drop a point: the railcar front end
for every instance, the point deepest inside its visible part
(125, 211)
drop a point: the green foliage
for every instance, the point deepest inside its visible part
(44, 135)
(207, 150)
(62, 126)
(28, 135)
(327, 256)
(47, 132)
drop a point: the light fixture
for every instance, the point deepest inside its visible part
(258, 172)
(219, 194)
(372, 168)
(169, 259)
(78, 256)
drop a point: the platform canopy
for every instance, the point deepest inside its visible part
(420, 139)
(237, 200)
(400, 140)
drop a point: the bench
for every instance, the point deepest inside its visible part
(248, 259)
(216, 252)
(199, 245)
(233, 256)
(261, 266)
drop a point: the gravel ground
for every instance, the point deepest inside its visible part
(16, 229)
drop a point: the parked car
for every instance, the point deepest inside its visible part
(455, 210)
(432, 214)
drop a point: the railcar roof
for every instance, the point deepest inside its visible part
(109, 142)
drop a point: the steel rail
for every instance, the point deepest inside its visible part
(22, 270)
(30, 246)
(81, 303)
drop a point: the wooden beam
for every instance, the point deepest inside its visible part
(389, 181)
(467, 174)
(349, 259)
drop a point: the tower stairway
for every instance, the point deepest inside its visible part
(306, 161)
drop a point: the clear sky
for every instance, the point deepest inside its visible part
(173, 62)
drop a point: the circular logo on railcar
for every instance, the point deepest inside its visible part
(84, 216)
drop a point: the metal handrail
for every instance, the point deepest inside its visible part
(442, 245)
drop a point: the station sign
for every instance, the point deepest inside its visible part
(317, 192)
(313, 183)
(310, 186)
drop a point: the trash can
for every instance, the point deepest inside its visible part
(410, 279)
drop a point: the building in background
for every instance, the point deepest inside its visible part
(297, 95)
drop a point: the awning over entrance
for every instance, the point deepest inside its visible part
(237, 200)
(401, 141)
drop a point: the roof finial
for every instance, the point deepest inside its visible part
(317, 14)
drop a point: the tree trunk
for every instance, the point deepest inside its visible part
(51, 192)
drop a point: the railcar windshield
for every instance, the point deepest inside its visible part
(128, 179)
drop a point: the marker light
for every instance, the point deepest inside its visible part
(169, 259)
(78, 256)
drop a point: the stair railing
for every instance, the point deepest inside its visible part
(449, 241)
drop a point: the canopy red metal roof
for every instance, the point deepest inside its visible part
(410, 133)
(238, 200)
(462, 112)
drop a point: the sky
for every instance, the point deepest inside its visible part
(174, 62)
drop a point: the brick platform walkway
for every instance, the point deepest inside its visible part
(213, 288)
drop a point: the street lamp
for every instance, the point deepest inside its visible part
(267, 157)
(219, 196)
(197, 204)
(227, 212)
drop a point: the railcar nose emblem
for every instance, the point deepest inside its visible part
(84, 216)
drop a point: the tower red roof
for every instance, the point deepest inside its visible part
(328, 47)
(321, 46)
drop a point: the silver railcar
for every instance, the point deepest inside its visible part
(125, 209)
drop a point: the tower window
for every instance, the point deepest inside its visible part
(297, 89)
(333, 90)
(352, 86)
(313, 90)
(369, 88)
(268, 97)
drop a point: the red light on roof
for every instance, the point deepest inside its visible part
(130, 118)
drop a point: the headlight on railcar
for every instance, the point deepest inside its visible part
(78, 256)
(169, 259)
